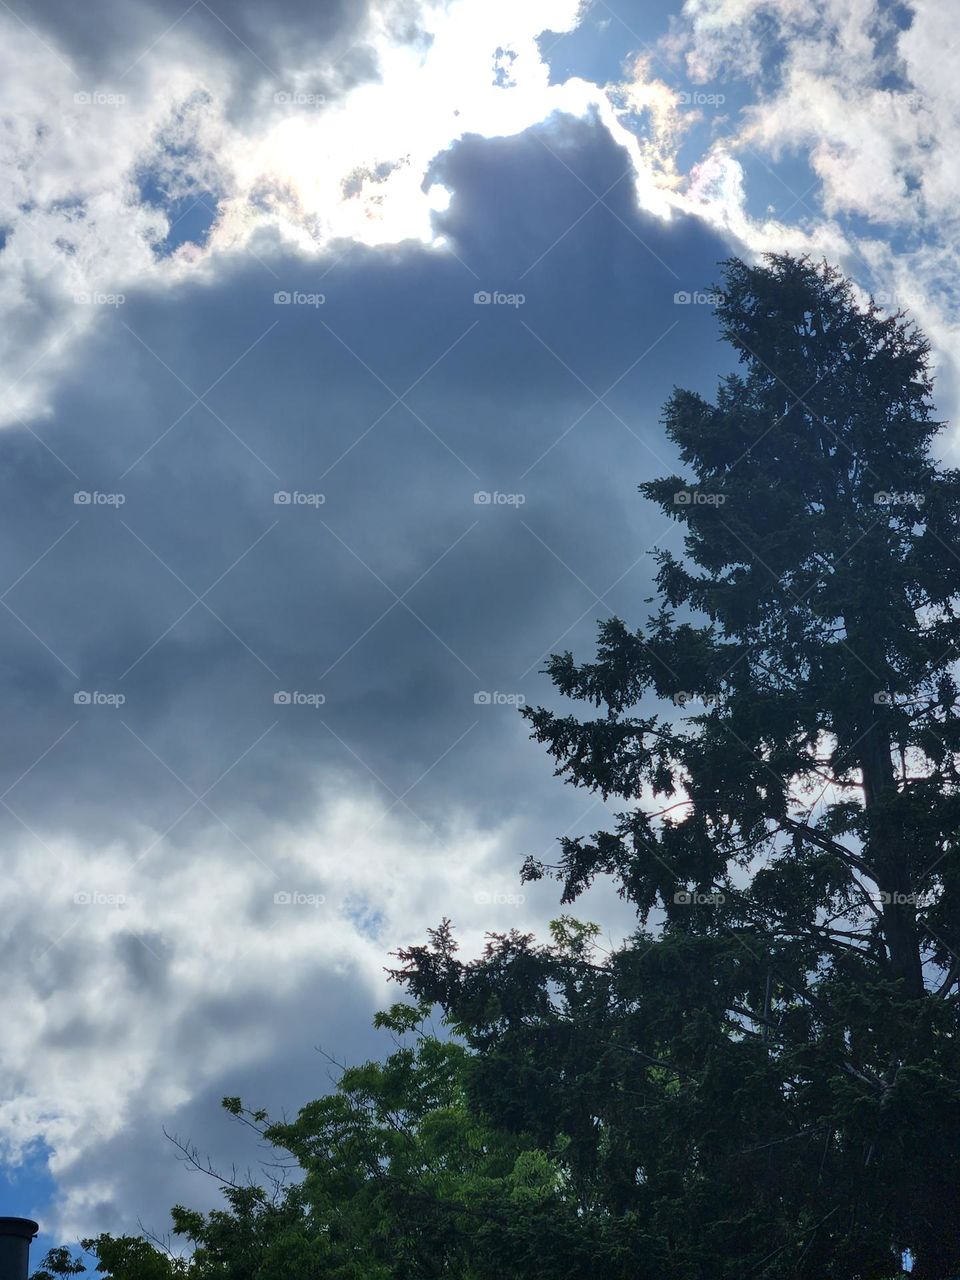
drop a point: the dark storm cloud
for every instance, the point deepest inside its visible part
(397, 599)
(326, 42)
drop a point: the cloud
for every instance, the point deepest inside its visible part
(112, 39)
(135, 159)
(851, 111)
(214, 697)
(335, 350)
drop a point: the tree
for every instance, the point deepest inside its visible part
(769, 1081)
(393, 1176)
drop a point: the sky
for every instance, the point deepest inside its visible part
(335, 341)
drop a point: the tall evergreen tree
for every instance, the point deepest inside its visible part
(770, 1078)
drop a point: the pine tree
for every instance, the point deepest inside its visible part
(782, 738)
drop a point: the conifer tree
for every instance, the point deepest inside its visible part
(780, 743)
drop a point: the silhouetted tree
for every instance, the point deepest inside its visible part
(392, 1176)
(770, 1080)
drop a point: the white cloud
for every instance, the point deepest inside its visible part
(315, 170)
(114, 957)
(291, 163)
(875, 111)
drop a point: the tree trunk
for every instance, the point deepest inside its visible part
(889, 858)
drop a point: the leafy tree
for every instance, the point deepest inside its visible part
(769, 1080)
(393, 1176)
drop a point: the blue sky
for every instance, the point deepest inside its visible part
(335, 348)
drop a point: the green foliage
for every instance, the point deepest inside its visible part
(394, 1175)
(120, 1256)
(59, 1262)
(769, 1081)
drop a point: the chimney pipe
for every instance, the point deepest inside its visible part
(15, 1237)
